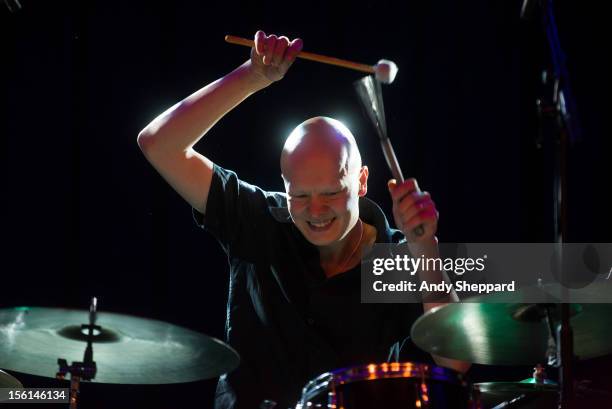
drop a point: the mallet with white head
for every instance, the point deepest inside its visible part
(384, 70)
(370, 95)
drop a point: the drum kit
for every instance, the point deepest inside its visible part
(121, 349)
(114, 348)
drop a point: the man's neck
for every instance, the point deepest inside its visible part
(346, 253)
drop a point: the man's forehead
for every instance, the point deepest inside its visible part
(310, 171)
(315, 163)
(317, 145)
(294, 186)
(327, 156)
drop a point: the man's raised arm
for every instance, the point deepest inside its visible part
(167, 142)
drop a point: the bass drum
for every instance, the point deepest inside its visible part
(396, 385)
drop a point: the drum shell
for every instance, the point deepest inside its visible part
(388, 385)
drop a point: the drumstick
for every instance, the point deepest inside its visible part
(385, 70)
(311, 56)
(396, 171)
(370, 95)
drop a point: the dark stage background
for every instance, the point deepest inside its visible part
(84, 214)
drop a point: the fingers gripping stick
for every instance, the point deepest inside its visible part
(385, 70)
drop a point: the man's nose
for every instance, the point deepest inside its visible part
(317, 208)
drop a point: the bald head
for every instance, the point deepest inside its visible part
(323, 139)
(324, 179)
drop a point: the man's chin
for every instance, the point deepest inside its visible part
(319, 242)
(319, 239)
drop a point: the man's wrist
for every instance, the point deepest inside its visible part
(427, 247)
(254, 80)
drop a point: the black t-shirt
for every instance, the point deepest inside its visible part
(287, 320)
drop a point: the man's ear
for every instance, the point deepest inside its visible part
(363, 181)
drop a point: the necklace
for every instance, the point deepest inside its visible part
(356, 247)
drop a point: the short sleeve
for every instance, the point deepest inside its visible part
(235, 214)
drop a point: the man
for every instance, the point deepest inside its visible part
(294, 307)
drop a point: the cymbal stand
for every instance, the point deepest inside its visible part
(87, 369)
(562, 109)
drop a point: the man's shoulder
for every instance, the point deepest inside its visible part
(274, 203)
(278, 199)
(372, 213)
(224, 176)
(277, 206)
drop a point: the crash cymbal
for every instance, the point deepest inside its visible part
(8, 381)
(488, 332)
(127, 350)
(528, 394)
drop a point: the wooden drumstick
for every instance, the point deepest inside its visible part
(396, 171)
(310, 56)
(384, 70)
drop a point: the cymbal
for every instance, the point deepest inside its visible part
(127, 349)
(487, 332)
(8, 381)
(529, 393)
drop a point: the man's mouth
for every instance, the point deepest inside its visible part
(320, 225)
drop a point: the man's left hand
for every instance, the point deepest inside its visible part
(413, 208)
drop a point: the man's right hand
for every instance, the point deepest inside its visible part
(272, 56)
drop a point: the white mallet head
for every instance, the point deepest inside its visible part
(385, 71)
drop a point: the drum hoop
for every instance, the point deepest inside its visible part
(330, 380)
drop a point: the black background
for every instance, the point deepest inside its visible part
(84, 214)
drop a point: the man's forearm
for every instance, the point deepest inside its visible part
(430, 250)
(181, 126)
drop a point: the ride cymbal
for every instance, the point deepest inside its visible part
(127, 349)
